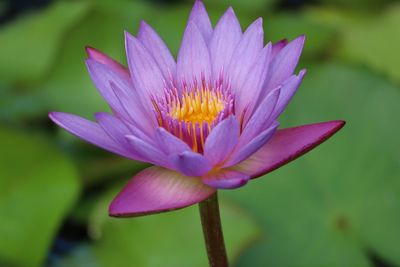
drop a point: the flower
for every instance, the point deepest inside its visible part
(207, 121)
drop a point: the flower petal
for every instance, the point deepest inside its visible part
(191, 163)
(102, 75)
(288, 90)
(278, 46)
(246, 53)
(285, 62)
(243, 152)
(287, 145)
(148, 152)
(249, 94)
(226, 179)
(199, 16)
(146, 75)
(90, 132)
(224, 40)
(222, 140)
(106, 60)
(193, 65)
(156, 190)
(169, 143)
(157, 48)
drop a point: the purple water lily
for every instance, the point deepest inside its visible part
(207, 120)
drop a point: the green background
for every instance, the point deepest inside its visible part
(337, 206)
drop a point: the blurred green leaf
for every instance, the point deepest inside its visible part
(250, 5)
(38, 185)
(168, 239)
(319, 37)
(341, 202)
(28, 45)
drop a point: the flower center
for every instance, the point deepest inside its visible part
(191, 114)
(202, 105)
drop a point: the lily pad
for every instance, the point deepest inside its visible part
(339, 204)
(168, 239)
(38, 185)
(28, 45)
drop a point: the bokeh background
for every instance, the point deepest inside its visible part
(337, 206)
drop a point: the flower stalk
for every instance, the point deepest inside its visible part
(212, 230)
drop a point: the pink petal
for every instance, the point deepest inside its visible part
(243, 152)
(284, 63)
(191, 163)
(169, 143)
(193, 65)
(287, 145)
(222, 140)
(157, 48)
(199, 17)
(226, 36)
(156, 190)
(90, 132)
(278, 46)
(106, 60)
(245, 54)
(146, 75)
(226, 179)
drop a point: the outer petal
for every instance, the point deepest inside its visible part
(169, 143)
(226, 36)
(90, 132)
(284, 63)
(200, 17)
(193, 58)
(226, 179)
(287, 145)
(288, 90)
(222, 140)
(146, 75)
(246, 53)
(156, 190)
(106, 60)
(191, 163)
(158, 50)
(247, 150)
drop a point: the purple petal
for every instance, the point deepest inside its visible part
(287, 145)
(169, 143)
(102, 76)
(250, 148)
(191, 163)
(199, 17)
(284, 63)
(246, 53)
(226, 179)
(157, 48)
(278, 46)
(106, 60)
(156, 190)
(148, 152)
(146, 75)
(288, 90)
(222, 140)
(261, 118)
(193, 64)
(90, 132)
(248, 95)
(224, 40)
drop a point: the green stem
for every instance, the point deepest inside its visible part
(212, 230)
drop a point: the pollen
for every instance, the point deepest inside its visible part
(201, 105)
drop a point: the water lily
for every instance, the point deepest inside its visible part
(206, 121)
